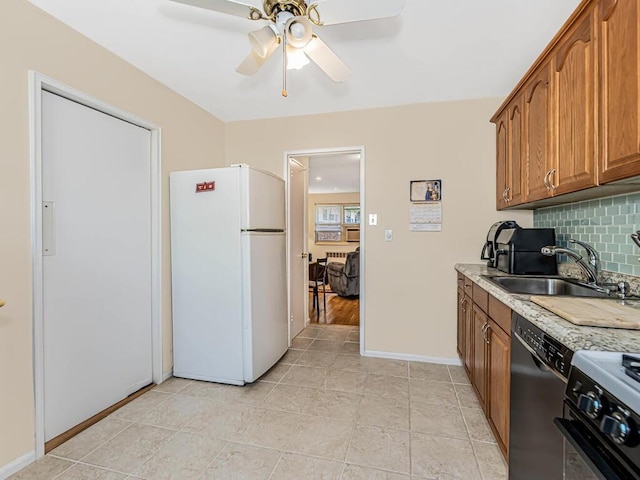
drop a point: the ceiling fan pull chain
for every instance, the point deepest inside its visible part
(284, 64)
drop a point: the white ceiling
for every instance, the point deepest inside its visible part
(434, 51)
(335, 173)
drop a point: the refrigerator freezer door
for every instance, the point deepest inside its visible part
(263, 200)
(206, 276)
(264, 293)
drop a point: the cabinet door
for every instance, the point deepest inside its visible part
(619, 28)
(468, 334)
(514, 157)
(498, 382)
(460, 323)
(537, 134)
(575, 116)
(502, 164)
(479, 368)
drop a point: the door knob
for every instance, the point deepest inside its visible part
(304, 255)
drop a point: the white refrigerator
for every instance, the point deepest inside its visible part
(228, 272)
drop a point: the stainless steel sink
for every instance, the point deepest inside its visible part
(545, 286)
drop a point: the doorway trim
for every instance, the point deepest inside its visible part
(311, 152)
(39, 83)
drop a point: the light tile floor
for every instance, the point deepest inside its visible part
(323, 412)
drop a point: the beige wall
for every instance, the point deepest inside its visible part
(410, 282)
(191, 138)
(320, 251)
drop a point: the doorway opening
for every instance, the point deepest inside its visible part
(326, 240)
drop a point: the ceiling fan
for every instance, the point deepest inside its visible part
(291, 25)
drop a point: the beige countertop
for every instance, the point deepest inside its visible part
(573, 336)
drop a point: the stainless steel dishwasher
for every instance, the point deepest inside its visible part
(539, 370)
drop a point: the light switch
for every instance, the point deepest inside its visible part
(373, 219)
(388, 235)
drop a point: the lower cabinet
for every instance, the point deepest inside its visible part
(480, 363)
(460, 329)
(499, 352)
(484, 345)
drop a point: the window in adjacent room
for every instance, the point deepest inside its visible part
(337, 223)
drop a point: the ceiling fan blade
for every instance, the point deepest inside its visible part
(230, 7)
(263, 41)
(323, 56)
(330, 12)
(252, 63)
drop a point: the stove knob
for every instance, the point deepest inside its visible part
(590, 404)
(616, 426)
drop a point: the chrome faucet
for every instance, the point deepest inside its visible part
(589, 267)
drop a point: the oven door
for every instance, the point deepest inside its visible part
(586, 455)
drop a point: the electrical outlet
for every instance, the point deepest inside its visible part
(373, 219)
(388, 235)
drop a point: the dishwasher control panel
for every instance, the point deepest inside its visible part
(548, 350)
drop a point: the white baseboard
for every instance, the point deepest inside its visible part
(412, 358)
(17, 465)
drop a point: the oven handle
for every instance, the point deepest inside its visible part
(589, 454)
(536, 358)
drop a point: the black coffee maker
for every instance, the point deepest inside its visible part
(491, 245)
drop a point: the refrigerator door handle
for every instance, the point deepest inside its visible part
(263, 230)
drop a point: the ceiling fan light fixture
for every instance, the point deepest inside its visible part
(299, 31)
(296, 59)
(264, 41)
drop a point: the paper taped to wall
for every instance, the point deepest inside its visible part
(425, 217)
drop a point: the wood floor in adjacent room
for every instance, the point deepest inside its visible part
(340, 310)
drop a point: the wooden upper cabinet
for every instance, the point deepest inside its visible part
(537, 134)
(509, 148)
(515, 147)
(574, 87)
(619, 30)
(502, 165)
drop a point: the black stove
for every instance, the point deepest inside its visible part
(631, 366)
(602, 416)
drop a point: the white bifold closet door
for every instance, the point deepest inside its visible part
(96, 191)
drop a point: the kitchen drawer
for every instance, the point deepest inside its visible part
(461, 278)
(481, 298)
(467, 285)
(500, 314)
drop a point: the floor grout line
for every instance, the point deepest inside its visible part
(259, 403)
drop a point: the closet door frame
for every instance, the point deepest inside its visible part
(37, 84)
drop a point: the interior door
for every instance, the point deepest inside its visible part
(96, 190)
(298, 247)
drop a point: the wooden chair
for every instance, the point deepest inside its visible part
(317, 279)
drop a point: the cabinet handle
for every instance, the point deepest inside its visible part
(462, 304)
(551, 185)
(486, 334)
(506, 194)
(484, 331)
(546, 183)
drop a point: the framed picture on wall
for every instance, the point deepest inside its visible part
(425, 191)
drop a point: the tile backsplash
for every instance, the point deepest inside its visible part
(604, 223)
